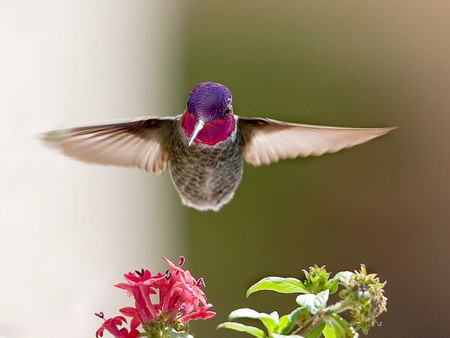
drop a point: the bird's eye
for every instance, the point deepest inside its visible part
(227, 111)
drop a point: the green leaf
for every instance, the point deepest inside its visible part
(332, 285)
(282, 336)
(269, 321)
(313, 302)
(329, 332)
(344, 277)
(340, 327)
(247, 313)
(177, 334)
(287, 322)
(278, 284)
(316, 332)
(254, 331)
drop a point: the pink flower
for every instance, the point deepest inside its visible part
(171, 299)
(181, 296)
(136, 319)
(140, 286)
(111, 326)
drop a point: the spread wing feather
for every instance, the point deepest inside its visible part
(268, 141)
(139, 143)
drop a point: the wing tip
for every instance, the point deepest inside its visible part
(386, 130)
(382, 131)
(54, 136)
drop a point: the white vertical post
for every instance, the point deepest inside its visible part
(69, 230)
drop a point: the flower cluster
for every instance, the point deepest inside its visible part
(318, 279)
(362, 294)
(163, 303)
(366, 292)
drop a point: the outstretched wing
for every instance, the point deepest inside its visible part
(267, 141)
(138, 143)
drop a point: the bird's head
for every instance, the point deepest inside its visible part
(208, 118)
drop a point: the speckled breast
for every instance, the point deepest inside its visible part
(206, 177)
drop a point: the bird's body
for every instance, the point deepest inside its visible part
(205, 147)
(206, 177)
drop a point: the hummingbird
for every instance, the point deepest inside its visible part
(205, 147)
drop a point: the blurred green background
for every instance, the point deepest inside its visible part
(385, 203)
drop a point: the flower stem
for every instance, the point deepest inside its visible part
(339, 307)
(324, 315)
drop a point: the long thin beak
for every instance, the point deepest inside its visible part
(198, 126)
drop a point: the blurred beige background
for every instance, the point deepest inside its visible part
(68, 230)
